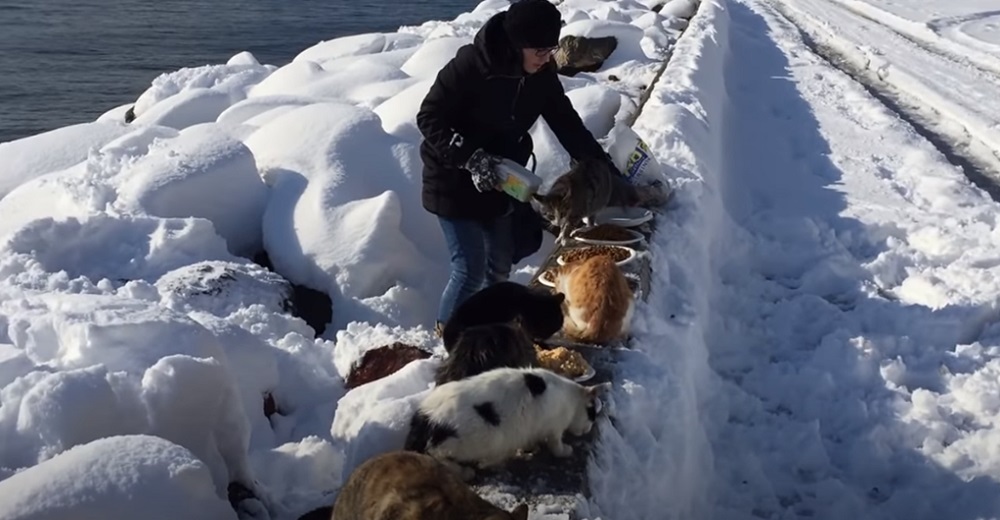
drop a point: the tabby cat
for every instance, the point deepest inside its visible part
(484, 347)
(403, 485)
(588, 187)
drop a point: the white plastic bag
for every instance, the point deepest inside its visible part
(631, 155)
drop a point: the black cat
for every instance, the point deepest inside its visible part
(540, 311)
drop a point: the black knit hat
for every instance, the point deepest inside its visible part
(533, 24)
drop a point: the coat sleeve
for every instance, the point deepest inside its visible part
(572, 134)
(448, 97)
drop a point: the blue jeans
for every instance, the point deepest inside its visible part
(481, 254)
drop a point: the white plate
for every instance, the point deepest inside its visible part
(636, 238)
(586, 375)
(631, 255)
(620, 216)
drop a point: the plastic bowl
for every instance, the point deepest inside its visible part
(636, 237)
(624, 216)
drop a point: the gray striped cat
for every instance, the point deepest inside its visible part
(588, 187)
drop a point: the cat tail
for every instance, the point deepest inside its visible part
(604, 331)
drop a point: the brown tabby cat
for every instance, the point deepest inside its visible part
(404, 485)
(584, 190)
(598, 303)
(588, 187)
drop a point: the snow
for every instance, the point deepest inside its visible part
(185, 179)
(960, 95)
(820, 340)
(31, 157)
(431, 56)
(125, 476)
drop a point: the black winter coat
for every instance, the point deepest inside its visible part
(483, 99)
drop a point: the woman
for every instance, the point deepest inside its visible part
(479, 110)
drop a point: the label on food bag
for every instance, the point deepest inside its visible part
(637, 161)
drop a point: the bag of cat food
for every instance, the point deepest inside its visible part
(631, 155)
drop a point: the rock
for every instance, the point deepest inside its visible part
(270, 406)
(323, 513)
(130, 114)
(315, 307)
(221, 288)
(383, 361)
(581, 54)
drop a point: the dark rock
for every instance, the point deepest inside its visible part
(315, 307)
(130, 114)
(658, 7)
(612, 77)
(270, 406)
(581, 54)
(383, 361)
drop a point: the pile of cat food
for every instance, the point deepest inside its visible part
(579, 254)
(563, 361)
(606, 232)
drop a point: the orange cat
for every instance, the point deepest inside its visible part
(403, 485)
(599, 302)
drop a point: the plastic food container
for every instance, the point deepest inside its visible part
(518, 181)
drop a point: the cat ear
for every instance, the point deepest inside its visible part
(560, 297)
(520, 512)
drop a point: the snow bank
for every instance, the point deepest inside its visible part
(206, 87)
(117, 248)
(29, 158)
(130, 476)
(201, 173)
(657, 460)
(336, 220)
(432, 56)
(354, 45)
(187, 108)
(399, 113)
(375, 418)
(353, 81)
(106, 365)
(247, 109)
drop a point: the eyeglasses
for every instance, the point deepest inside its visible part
(549, 51)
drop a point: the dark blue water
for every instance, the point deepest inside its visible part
(68, 61)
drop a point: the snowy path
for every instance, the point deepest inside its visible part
(838, 407)
(852, 285)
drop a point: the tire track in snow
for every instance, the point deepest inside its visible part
(926, 35)
(978, 160)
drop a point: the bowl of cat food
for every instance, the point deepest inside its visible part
(565, 362)
(624, 216)
(547, 278)
(620, 254)
(606, 235)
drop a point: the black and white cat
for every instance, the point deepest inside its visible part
(486, 419)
